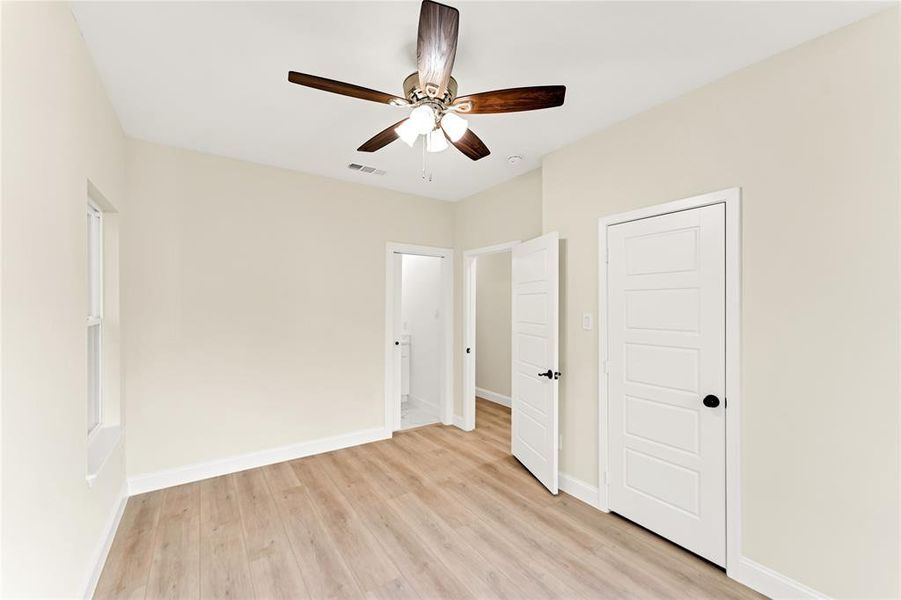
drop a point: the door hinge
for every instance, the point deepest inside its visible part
(605, 478)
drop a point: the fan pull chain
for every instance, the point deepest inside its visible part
(426, 171)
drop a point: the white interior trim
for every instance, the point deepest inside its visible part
(106, 542)
(469, 327)
(158, 480)
(732, 199)
(392, 351)
(578, 489)
(421, 403)
(494, 397)
(101, 444)
(771, 583)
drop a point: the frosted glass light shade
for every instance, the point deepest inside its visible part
(436, 141)
(423, 119)
(407, 132)
(454, 125)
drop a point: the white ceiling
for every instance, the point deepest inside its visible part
(212, 76)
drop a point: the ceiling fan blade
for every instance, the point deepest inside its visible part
(436, 46)
(512, 100)
(471, 145)
(345, 89)
(381, 139)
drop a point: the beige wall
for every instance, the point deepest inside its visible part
(229, 269)
(254, 303)
(59, 132)
(811, 138)
(509, 211)
(493, 324)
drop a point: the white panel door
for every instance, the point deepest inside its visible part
(667, 366)
(535, 279)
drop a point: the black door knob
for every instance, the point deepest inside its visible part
(711, 401)
(549, 374)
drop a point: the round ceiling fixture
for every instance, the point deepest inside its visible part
(514, 158)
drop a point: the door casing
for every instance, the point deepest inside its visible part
(732, 199)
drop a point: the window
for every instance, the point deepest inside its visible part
(95, 315)
(103, 410)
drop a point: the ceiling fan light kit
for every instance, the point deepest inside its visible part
(454, 126)
(423, 119)
(406, 131)
(436, 142)
(431, 93)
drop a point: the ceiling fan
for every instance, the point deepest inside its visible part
(431, 92)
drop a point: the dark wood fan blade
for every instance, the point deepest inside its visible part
(381, 139)
(471, 145)
(436, 46)
(512, 100)
(345, 89)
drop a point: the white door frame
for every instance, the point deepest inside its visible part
(732, 199)
(469, 326)
(392, 351)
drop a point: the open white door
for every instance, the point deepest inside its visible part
(535, 279)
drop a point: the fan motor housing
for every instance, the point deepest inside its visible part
(414, 94)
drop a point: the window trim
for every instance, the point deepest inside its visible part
(95, 309)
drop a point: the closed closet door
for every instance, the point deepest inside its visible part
(667, 435)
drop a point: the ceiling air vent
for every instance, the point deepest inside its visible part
(365, 169)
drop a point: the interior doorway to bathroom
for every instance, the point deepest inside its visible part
(420, 340)
(419, 322)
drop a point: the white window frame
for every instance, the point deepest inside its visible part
(95, 314)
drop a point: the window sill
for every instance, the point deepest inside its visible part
(101, 444)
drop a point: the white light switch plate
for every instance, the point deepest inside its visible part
(587, 321)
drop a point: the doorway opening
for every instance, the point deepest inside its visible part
(534, 360)
(493, 339)
(487, 332)
(492, 355)
(419, 329)
(420, 340)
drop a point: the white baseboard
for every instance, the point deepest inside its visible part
(771, 583)
(106, 542)
(423, 403)
(199, 471)
(494, 397)
(578, 489)
(752, 574)
(458, 422)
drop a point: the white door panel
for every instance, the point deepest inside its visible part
(666, 302)
(535, 282)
